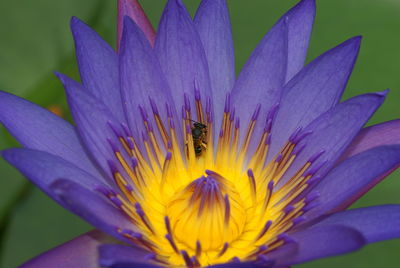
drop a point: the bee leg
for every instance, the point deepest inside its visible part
(204, 145)
(187, 148)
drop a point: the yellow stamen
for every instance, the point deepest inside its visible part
(197, 209)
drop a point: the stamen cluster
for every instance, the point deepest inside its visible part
(221, 203)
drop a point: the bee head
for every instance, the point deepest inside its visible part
(199, 125)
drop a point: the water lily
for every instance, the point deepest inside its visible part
(180, 163)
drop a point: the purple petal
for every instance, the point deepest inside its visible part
(377, 135)
(354, 177)
(181, 54)
(283, 252)
(37, 128)
(213, 24)
(134, 10)
(279, 56)
(262, 78)
(323, 241)
(313, 91)
(43, 169)
(80, 252)
(110, 255)
(93, 208)
(142, 78)
(374, 223)
(333, 131)
(300, 21)
(92, 118)
(98, 66)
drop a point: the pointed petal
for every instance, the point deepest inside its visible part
(317, 88)
(37, 128)
(213, 24)
(323, 241)
(43, 169)
(347, 182)
(374, 223)
(93, 120)
(80, 252)
(98, 66)
(381, 134)
(262, 78)
(93, 208)
(142, 79)
(134, 10)
(278, 57)
(110, 255)
(333, 131)
(181, 55)
(300, 20)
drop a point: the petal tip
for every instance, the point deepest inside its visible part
(384, 92)
(306, 6)
(175, 4)
(130, 32)
(308, 3)
(62, 77)
(75, 22)
(129, 24)
(353, 42)
(357, 39)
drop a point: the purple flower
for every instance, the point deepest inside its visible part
(183, 164)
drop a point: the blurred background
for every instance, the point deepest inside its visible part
(35, 41)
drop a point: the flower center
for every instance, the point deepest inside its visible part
(194, 202)
(202, 212)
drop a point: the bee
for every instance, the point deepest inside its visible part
(199, 134)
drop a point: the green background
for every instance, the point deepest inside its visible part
(35, 41)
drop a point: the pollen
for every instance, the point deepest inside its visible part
(194, 199)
